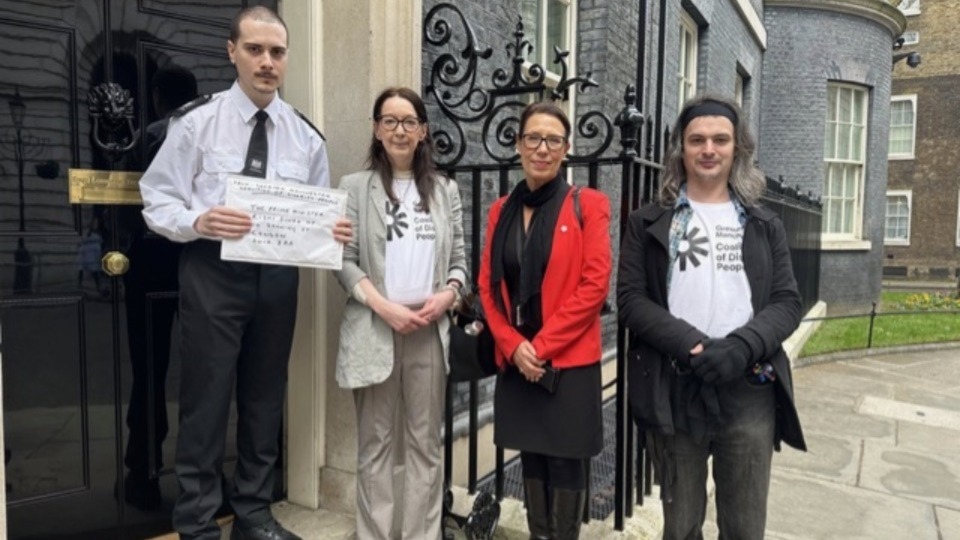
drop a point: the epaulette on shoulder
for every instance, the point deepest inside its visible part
(309, 123)
(191, 105)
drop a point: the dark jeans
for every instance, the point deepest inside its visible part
(742, 449)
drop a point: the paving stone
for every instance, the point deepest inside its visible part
(949, 521)
(833, 413)
(912, 474)
(909, 412)
(830, 458)
(911, 436)
(803, 508)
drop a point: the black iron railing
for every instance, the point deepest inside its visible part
(801, 214)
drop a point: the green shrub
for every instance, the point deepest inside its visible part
(930, 301)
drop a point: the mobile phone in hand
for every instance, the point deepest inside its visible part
(550, 378)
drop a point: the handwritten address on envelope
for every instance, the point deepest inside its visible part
(292, 223)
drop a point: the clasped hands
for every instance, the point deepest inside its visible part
(225, 222)
(404, 320)
(719, 361)
(525, 358)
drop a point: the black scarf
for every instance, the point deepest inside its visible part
(546, 202)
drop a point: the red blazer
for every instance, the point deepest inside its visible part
(575, 285)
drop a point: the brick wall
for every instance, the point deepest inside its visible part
(932, 175)
(607, 36)
(806, 49)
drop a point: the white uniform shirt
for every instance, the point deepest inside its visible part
(188, 175)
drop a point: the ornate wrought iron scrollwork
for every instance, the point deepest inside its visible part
(455, 87)
(111, 108)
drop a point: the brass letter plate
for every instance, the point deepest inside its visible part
(88, 186)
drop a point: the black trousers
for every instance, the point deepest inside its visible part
(237, 326)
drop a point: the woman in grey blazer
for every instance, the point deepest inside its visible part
(403, 270)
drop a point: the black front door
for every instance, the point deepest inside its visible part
(90, 381)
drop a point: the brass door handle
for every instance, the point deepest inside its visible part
(115, 263)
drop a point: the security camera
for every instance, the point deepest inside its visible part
(912, 58)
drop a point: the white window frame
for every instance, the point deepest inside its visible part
(851, 239)
(911, 37)
(687, 59)
(908, 194)
(909, 7)
(544, 57)
(542, 54)
(958, 219)
(912, 98)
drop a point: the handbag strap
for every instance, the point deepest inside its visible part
(576, 206)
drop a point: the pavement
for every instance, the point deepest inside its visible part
(883, 431)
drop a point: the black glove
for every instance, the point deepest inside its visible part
(722, 360)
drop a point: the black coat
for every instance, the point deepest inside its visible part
(658, 338)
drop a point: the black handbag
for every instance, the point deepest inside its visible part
(471, 344)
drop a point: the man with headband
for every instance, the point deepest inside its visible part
(706, 289)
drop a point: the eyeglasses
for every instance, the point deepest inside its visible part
(390, 123)
(532, 141)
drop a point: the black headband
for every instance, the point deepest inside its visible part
(708, 108)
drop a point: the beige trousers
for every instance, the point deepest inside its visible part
(415, 387)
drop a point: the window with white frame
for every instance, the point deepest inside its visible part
(896, 231)
(844, 161)
(687, 66)
(910, 7)
(958, 219)
(903, 126)
(548, 24)
(911, 38)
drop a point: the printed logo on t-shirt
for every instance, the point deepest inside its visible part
(423, 226)
(396, 221)
(729, 243)
(690, 246)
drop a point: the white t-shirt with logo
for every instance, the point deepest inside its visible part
(410, 247)
(709, 287)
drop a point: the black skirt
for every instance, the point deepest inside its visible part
(567, 423)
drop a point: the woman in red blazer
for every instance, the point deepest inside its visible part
(544, 276)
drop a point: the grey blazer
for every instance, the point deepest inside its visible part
(365, 356)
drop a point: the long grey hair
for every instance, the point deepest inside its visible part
(746, 180)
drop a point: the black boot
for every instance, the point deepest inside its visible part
(566, 513)
(538, 509)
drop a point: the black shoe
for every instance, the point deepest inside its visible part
(271, 530)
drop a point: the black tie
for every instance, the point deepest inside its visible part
(257, 149)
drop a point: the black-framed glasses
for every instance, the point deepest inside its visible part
(532, 141)
(390, 123)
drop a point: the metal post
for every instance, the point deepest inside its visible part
(472, 440)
